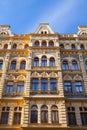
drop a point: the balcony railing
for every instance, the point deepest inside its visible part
(34, 92)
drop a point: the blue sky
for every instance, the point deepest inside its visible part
(24, 15)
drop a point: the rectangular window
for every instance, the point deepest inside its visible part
(71, 118)
(44, 117)
(54, 117)
(44, 84)
(67, 87)
(78, 87)
(53, 84)
(34, 84)
(9, 87)
(4, 117)
(17, 118)
(20, 87)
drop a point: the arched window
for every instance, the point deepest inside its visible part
(44, 61)
(36, 43)
(62, 46)
(82, 47)
(51, 43)
(22, 65)
(26, 46)
(44, 114)
(5, 46)
(74, 65)
(14, 46)
(44, 43)
(13, 65)
(44, 84)
(34, 114)
(52, 61)
(34, 84)
(53, 84)
(36, 61)
(1, 64)
(65, 65)
(54, 114)
(73, 47)
(86, 65)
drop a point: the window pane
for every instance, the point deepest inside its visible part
(20, 87)
(34, 84)
(23, 65)
(1, 64)
(53, 84)
(52, 62)
(9, 87)
(36, 62)
(44, 84)
(54, 117)
(4, 117)
(34, 116)
(78, 87)
(71, 118)
(44, 61)
(13, 65)
(44, 117)
(17, 118)
(74, 65)
(65, 65)
(67, 87)
(84, 118)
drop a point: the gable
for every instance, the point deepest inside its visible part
(44, 28)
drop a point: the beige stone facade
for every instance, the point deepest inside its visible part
(43, 79)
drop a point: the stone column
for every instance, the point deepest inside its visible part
(82, 66)
(11, 115)
(4, 69)
(39, 114)
(49, 114)
(77, 112)
(26, 120)
(62, 113)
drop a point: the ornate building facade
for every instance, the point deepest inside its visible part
(43, 79)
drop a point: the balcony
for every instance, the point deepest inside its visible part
(43, 68)
(35, 92)
(13, 94)
(73, 95)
